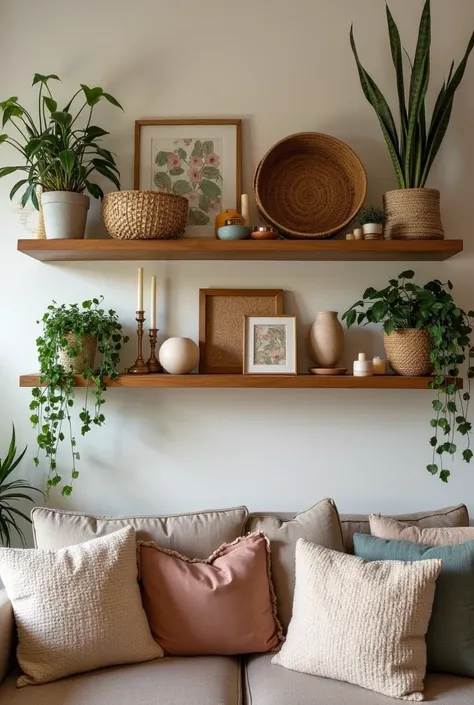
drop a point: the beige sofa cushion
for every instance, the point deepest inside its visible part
(448, 516)
(77, 608)
(196, 535)
(386, 528)
(265, 684)
(170, 681)
(319, 524)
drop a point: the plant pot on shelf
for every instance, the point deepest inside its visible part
(87, 347)
(408, 351)
(326, 339)
(413, 214)
(372, 231)
(65, 214)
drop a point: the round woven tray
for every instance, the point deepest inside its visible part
(408, 351)
(144, 215)
(413, 214)
(310, 185)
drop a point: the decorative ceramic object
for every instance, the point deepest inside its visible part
(408, 351)
(264, 232)
(245, 209)
(65, 214)
(380, 366)
(179, 356)
(225, 215)
(358, 234)
(363, 367)
(329, 371)
(372, 231)
(233, 232)
(350, 236)
(326, 339)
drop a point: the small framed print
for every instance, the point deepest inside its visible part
(270, 345)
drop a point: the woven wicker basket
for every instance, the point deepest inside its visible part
(78, 363)
(413, 214)
(144, 215)
(408, 351)
(310, 185)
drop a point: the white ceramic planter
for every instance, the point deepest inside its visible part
(65, 214)
(372, 229)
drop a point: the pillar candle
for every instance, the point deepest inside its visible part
(153, 303)
(245, 208)
(140, 289)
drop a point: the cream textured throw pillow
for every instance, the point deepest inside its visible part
(77, 608)
(386, 528)
(360, 622)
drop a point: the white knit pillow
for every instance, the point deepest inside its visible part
(360, 622)
(77, 608)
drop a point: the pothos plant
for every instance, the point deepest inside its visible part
(403, 304)
(53, 402)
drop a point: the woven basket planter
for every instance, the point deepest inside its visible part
(413, 214)
(310, 185)
(408, 351)
(77, 364)
(144, 215)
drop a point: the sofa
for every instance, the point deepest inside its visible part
(214, 680)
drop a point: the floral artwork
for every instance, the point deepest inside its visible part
(270, 345)
(191, 168)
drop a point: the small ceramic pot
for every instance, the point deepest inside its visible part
(264, 232)
(224, 215)
(179, 356)
(373, 229)
(234, 232)
(363, 367)
(65, 214)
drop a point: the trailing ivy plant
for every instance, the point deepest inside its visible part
(403, 304)
(53, 402)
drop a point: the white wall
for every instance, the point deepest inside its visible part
(283, 67)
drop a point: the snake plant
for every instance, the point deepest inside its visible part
(414, 147)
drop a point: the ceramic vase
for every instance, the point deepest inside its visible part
(65, 214)
(326, 339)
(179, 356)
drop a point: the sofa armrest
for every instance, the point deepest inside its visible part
(7, 623)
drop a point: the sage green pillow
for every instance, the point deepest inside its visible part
(450, 637)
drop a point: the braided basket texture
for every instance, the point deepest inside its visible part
(413, 214)
(310, 185)
(408, 351)
(144, 215)
(78, 363)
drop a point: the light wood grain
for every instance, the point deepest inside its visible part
(240, 381)
(256, 250)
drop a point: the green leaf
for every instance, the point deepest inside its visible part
(210, 189)
(105, 171)
(368, 293)
(197, 217)
(182, 154)
(162, 158)
(211, 172)
(397, 57)
(351, 317)
(434, 422)
(93, 132)
(93, 95)
(198, 150)
(10, 112)
(112, 100)
(50, 104)
(437, 405)
(467, 455)
(379, 309)
(62, 118)
(433, 441)
(389, 326)
(407, 274)
(208, 147)
(177, 171)
(28, 194)
(204, 203)
(444, 474)
(95, 190)
(68, 159)
(432, 468)
(181, 187)
(66, 490)
(40, 78)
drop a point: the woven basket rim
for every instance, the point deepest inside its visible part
(434, 191)
(125, 192)
(324, 138)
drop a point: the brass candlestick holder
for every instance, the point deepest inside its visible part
(140, 367)
(152, 363)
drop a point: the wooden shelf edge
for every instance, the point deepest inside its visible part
(203, 381)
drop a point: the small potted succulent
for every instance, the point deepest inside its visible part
(67, 347)
(60, 156)
(372, 220)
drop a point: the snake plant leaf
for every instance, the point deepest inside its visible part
(397, 56)
(383, 112)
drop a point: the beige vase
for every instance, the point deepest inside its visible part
(408, 351)
(326, 339)
(78, 363)
(413, 214)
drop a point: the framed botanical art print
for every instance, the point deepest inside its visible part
(199, 159)
(270, 345)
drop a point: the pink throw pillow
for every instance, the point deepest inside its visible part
(386, 528)
(222, 605)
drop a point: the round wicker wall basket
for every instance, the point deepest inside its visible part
(310, 185)
(408, 351)
(413, 214)
(78, 363)
(144, 215)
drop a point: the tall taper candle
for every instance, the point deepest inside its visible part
(153, 302)
(245, 209)
(140, 289)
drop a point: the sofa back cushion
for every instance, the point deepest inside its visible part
(320, 524)
(195, 535)
(448, 516)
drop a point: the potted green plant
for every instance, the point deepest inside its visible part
(12, 491)
(67, 348)
(413, 211)
(372, 220)
(60, 157)
(426, 331)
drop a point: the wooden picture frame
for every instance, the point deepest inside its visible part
(221, 324)
(199, 158)
(270, 345)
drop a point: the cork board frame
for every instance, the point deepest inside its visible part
(221, 324)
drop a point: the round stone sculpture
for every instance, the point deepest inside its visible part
(179, 356)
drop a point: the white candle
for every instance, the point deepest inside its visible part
(245, 208)
(153, 302)
(140, 289)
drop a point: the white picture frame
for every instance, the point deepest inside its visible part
(270, 345)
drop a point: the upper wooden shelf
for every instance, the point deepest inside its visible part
(211, 249)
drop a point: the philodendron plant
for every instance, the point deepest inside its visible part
(403, 304)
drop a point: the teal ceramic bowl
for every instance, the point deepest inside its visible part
(233, 232)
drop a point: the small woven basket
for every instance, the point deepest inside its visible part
(310, 185)
(413, 214)
(144, 215)
(78, 363)
(408, 351)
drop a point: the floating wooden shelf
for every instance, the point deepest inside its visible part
(255, 381)
(211, 249)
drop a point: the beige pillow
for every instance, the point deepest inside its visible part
(78, 608)
(319, 524)
(386, 528)
(360, 622)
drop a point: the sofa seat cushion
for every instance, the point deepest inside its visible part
(265, 684)
(169, 681)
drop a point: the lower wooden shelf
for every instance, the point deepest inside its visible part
(255, 381)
